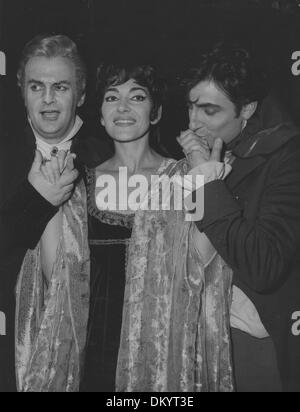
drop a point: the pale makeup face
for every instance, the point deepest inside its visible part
(213, 115)
(51, 96)
(126, 112)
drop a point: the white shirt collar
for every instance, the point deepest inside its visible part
(46, 148)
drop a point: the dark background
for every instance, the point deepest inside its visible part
(168, 33)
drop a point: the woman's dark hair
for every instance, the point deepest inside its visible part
(146, 76)
(233, 70)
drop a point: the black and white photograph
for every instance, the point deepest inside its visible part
(150, 198)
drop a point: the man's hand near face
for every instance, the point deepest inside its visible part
(197, 149)
(55, 179)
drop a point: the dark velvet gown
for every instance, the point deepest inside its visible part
(109, 236)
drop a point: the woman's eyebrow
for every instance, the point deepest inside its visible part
(136, 89)
(112, 89)
(133, 89)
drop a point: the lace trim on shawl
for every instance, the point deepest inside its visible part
(107, 216)
(109, 242)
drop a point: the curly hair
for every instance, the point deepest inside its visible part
(145, 75)
(53, 46)
(233, 70)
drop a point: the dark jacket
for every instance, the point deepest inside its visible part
(24, 215)
(253, 220)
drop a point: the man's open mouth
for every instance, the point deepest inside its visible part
(50, 115)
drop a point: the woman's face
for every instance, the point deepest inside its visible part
(126, 111)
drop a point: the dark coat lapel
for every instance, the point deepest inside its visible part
(29, 145)
(242, 168)
(253, 151)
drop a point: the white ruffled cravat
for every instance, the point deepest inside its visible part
(50, 239)
(46, 149)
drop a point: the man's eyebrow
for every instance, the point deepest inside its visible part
(62, 83)
(204, 105)
(33, 81)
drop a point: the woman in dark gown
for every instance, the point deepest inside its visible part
(160, 294)
(109, 237)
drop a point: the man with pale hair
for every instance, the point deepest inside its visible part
(43, 223)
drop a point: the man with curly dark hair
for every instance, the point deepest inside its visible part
(252, 218)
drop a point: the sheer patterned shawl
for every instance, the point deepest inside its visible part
(51, 323)
(176, 330)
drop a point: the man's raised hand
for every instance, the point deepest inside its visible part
(197, 149)
(55, 179)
